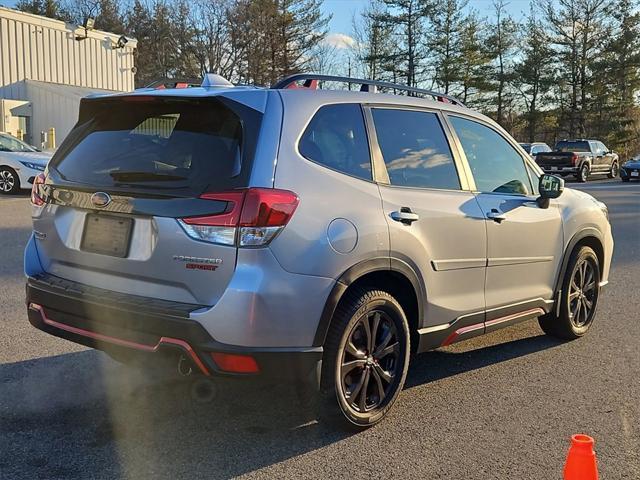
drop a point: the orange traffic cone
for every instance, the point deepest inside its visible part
(581, 459)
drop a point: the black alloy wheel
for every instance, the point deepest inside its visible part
(580, 292)
(583, 292)
(366, 358)
(369, 362)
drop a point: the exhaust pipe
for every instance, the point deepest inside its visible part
(184, 366)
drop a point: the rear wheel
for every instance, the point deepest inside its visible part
(9, 181)
(579, 298)
(583, 173)
(366, 358)
(613, 172)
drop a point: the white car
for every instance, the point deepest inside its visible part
(20, 163)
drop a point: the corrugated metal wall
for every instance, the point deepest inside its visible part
(46, 50)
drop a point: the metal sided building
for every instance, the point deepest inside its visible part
(47, 66)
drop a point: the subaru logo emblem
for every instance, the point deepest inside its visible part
(100, 199)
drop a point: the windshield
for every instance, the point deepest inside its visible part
(526, 146)
(567, 146)
(12, 144)
(158, 143)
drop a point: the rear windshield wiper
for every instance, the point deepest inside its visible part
(145, 176)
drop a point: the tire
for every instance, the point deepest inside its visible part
(9, 181)
(583, 173)
(579, 298)
(613, 172)
(358, 386)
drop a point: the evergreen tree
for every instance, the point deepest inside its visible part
(534, 72)
(474, 59)
(46, 8)
(407, 18)
(444, 42)
(374, 46)
(501, 41)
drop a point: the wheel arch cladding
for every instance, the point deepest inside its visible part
(391, 275)
(589, 237)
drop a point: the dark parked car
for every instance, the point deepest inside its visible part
(630, 169)
(535, 148)
(580, 158)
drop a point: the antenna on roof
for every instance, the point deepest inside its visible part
(215, 80)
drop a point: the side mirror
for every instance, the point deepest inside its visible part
(550, 186)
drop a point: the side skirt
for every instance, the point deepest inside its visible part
(475, 324)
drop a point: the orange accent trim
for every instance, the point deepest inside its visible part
(121, 342)
(461, 331)
(496, 321)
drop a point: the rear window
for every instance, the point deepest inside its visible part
(572, 147)
(186, 145)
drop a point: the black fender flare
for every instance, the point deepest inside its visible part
(577, 237)
(357, 271)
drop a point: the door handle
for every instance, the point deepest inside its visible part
(496, 216)
(405, 215)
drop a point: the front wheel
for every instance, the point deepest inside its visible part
(583, 173)
(613, 172)
(9, 181)
(579, 298)
(366, 358)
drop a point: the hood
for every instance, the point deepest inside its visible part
(41, 158)
(633, 163)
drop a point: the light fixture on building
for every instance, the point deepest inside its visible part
(122, 41)
(89, 24)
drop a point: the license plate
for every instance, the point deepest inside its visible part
(106, 235)
(554, 169)
(635, 174)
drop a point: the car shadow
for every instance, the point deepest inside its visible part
(442, 363)
(64, 416)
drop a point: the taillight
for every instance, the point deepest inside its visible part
(574, 159)
(252, 217)
(36, 199)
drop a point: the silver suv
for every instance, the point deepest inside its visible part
(321, 236)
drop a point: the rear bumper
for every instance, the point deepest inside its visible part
(559, 169)
(630, 173)
(119, 323)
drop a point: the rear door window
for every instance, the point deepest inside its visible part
(189, 145)
(415, 149)
(336, 138)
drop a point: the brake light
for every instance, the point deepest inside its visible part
(252, 217)
(574, 159)
(36, 199)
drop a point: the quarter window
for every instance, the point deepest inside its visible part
(336, 138)
(496, 165)
(415, 149)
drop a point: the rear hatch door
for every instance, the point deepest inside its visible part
(125, 191)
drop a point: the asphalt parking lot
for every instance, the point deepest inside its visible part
(501, 406)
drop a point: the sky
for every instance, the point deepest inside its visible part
(343, 11)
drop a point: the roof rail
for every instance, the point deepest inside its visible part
(311, 82)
